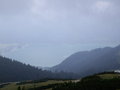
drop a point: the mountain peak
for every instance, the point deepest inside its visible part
(118, 46)
(94, 61)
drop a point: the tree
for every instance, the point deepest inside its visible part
(23, 88)
(19, 88)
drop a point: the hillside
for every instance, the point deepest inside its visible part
(31, 85)
(11, 70)
(103, 81)
(91, 62)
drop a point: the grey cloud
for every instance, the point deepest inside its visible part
(11, 7)
(10, 47)
(59, 21)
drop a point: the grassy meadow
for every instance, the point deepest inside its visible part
(30, 84)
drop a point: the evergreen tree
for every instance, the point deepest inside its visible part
(19, 88)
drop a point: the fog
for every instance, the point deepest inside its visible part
(45, 32)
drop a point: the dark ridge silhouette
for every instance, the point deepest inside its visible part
(11, 70)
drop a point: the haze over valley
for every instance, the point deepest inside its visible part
(45, 32)
(59, 44)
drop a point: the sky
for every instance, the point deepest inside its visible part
(45, 32)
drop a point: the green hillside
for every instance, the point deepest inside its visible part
(30, 85)
(103, 81)
(109, 76)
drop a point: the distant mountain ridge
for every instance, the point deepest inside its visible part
(90, 62)
(12, 71)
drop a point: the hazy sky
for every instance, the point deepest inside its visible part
(45, 32)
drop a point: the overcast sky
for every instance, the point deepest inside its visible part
(45, 32)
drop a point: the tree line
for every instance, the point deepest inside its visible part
(12, 70)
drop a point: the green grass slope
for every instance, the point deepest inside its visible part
(32, 85)
(103, 81)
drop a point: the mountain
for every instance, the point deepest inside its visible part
(11, 71)
(90, 62)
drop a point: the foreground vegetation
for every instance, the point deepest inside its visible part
(32, 85)
(103, 81)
